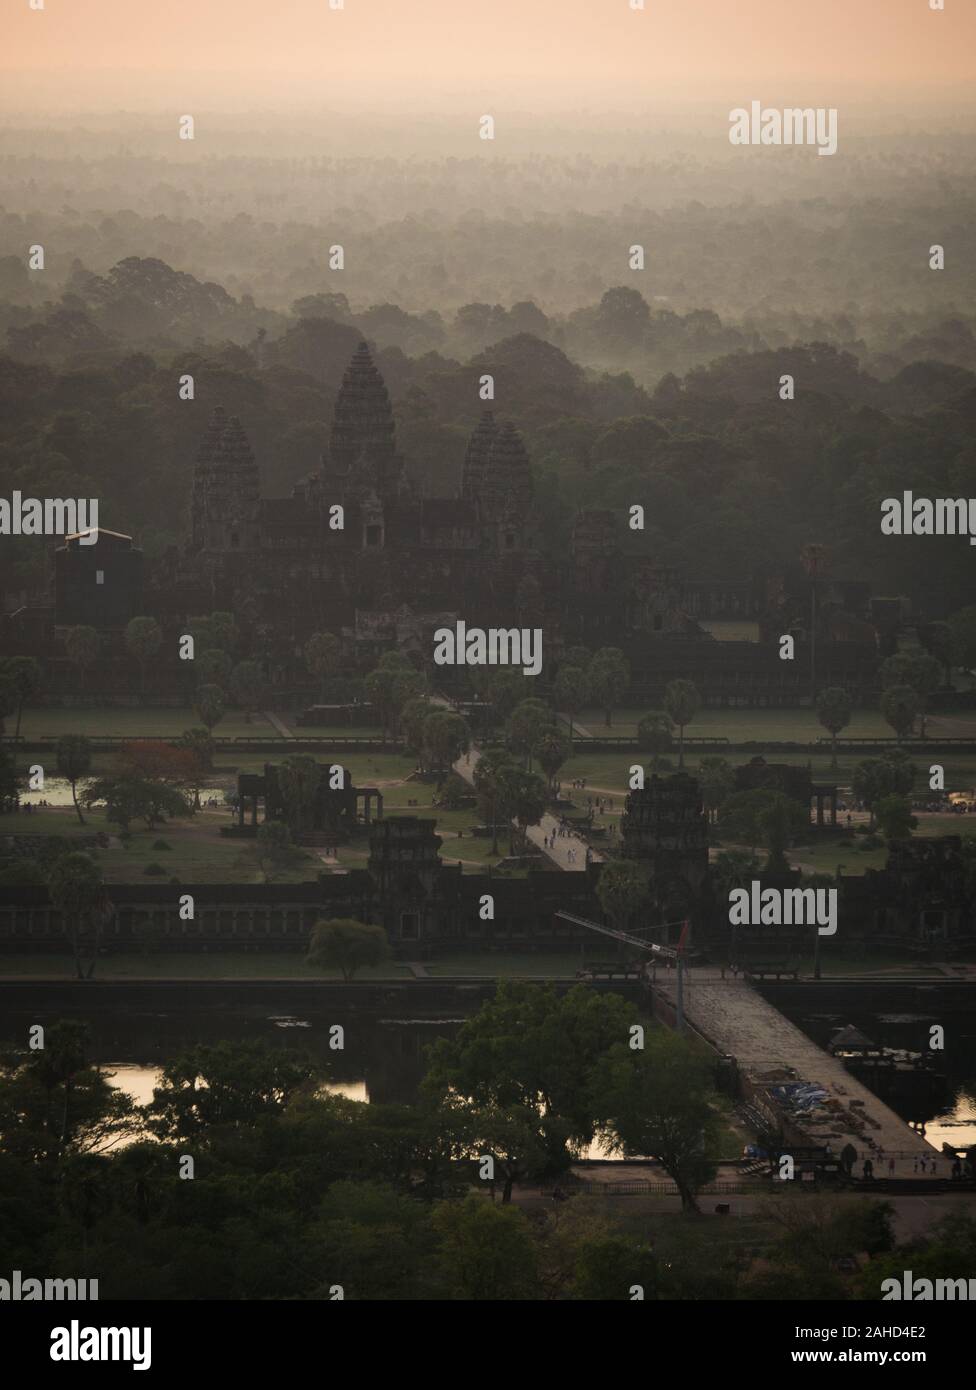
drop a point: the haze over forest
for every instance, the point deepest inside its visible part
(360, 128)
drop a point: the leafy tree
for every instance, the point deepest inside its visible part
(658, 1102)
(248, 685)
(493, 781)
(200, 746)
(131, 797)
(571, 690)
(528, 1046)
(8, 699)
(962, 625)
(82, 645)
(323, 656)
(275, 849)
(609, 679)
(834, 713)
(24, 674)
(900, 706)
(53, 1102)
(218, 632)
(76, 890)
(209, 706)
(213, 668)
(158, 760)
(609, 1266)
(143, 638)
(717, 780)
(227, 1085)
(781, 821)
(412, 719)
(517, 1139)
(524, 795)
(502, 688)
(654, 734)
(445, 737)
(380, 693)
(764, 817)
(682, 702)
(876, 778)
(895, 819)
(939, 641)
(916, 670)
(348, 945)
(407, 685)
(74, 762)
(485, 1252)
(552, 750)
(9, 785)
(622, 888)
(527, 723)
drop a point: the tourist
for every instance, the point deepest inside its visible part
(868, 1169)
(891, 1167)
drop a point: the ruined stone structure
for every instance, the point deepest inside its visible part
(923, 898)
(357, 551)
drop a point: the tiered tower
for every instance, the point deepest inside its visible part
(362, 457)
(226, 489)
(477, 460)
(498, 476)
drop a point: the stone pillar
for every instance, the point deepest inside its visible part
(833, 806)
(379, 805)
(254, 809)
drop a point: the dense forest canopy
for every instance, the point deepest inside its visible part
(658, 386)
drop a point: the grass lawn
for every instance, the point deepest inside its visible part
(508, 967)
(609, 772)
(151, 721)
(216, 966)
(198, 853)
(775, 725)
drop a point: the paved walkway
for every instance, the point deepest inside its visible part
(736, 1018)
(568, 851)
(276, 723)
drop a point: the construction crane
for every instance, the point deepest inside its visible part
(675, 953)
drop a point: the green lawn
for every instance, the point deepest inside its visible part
(527, 966)
(198, 852)
(151, 721)
(169, 966)
(610, 771)
(774, 725)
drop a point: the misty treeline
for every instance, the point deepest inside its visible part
(659, 387)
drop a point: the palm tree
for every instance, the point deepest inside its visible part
(682, 702)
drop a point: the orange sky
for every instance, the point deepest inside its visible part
(250, 53)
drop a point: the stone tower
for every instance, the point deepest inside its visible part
(478, 457)
(226, 489)
(405, 867)
(362, 456)
(504, 491)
